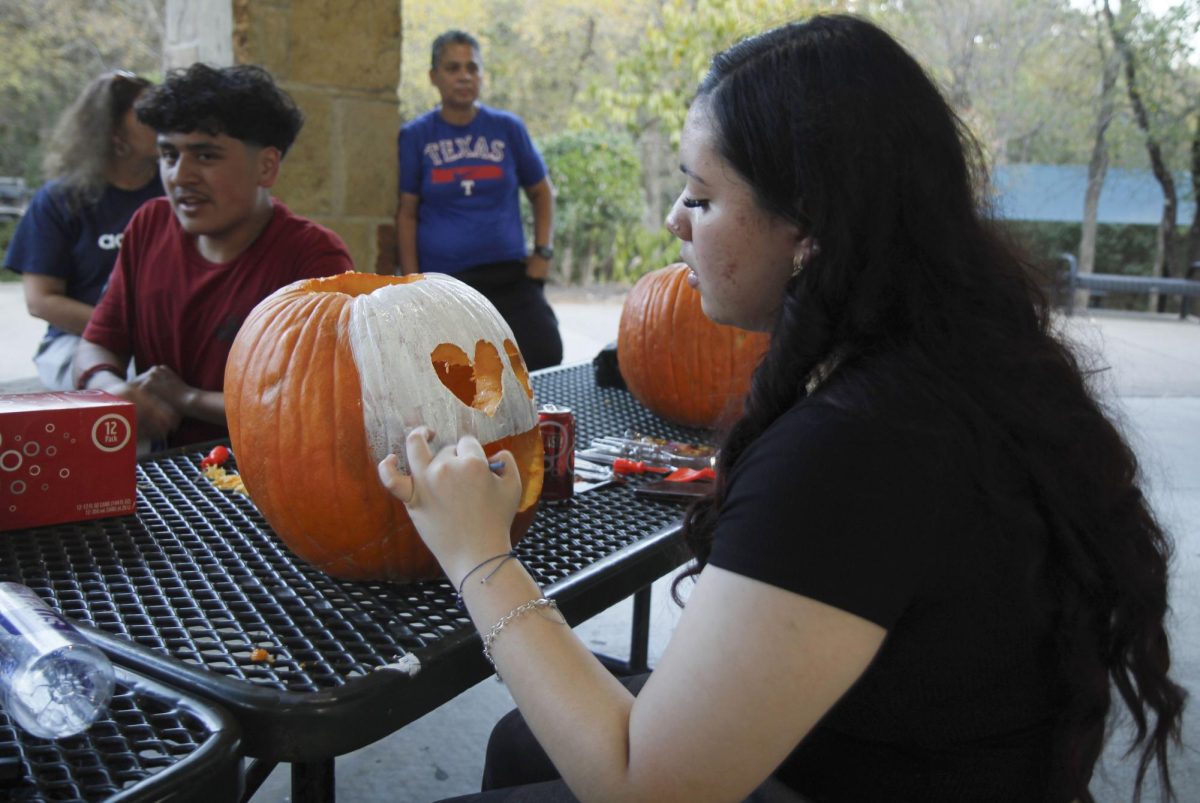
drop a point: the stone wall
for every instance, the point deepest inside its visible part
(340, 61)
(198, 30)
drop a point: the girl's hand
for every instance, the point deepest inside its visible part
(462, 510)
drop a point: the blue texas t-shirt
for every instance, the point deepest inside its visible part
(468, 177)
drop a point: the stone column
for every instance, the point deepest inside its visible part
(340, 61)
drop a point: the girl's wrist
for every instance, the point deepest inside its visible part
(482, 572)
(460, 564)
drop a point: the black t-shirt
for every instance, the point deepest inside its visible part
(888, 514)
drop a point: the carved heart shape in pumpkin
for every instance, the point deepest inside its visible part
(476, 384)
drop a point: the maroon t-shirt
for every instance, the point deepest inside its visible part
(168, 305)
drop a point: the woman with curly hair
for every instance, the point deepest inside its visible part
(101, 167)
(927, 564)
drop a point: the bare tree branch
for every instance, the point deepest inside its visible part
(1165, 244)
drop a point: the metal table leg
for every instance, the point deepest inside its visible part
(257, 770)
(312, 781)
(639, 639)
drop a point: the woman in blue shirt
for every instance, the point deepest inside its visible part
(101, 167)
(461, 165)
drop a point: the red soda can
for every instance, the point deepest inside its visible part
(557, 424)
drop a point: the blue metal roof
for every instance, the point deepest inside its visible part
(1055, 193)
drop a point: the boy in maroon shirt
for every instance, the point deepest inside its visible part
(192, 265)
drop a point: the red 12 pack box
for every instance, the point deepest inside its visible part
(66, 457)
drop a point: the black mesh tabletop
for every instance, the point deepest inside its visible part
(154, 743)
(197, 591)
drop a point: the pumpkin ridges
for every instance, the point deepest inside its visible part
(632, 334)
(653, 302)
(353, 451)
(357, 503)
(667, 386)
(318, 436)
(676, 361)
(397, 547)
(684, 389)
(251, 444)
(365, 503)
(277, 449)
(311, 425)
(641, 353)
(310, 444)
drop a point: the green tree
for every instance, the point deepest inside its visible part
(1099, 160)
(540, 58)
(1036, 81)
(597, 177)
(52, 49)
(1007, 67)
(649, 92)
(1025, 74)
(537, 56)
(1160, 86)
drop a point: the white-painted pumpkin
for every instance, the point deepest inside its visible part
(325, 379)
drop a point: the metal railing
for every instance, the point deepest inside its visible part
(1186, 287)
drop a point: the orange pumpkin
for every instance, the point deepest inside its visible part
(676, 361)
(323, 380)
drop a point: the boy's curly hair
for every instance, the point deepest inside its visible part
(242, 102)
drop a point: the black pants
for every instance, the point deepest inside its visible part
(522, 303)
(517, 769)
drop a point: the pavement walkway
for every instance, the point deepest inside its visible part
(1146, 369)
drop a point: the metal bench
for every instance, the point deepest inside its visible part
(1186, 287)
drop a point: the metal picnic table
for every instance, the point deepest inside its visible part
(196, 591)
(154, 743)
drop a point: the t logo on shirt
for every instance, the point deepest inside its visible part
(110, 242)
(466, 175)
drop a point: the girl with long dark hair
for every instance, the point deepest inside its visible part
(927, 565)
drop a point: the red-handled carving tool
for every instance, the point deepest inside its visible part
(623, 465)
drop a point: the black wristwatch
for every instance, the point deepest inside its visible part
(544, 251)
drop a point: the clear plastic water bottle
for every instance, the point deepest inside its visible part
(52, 681)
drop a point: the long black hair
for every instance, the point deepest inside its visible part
(839, 130)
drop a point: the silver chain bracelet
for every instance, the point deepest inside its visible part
(490, 637)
